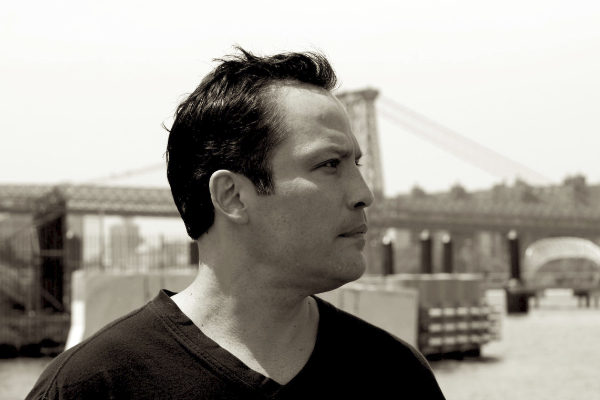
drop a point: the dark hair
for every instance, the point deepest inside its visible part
(231, 122)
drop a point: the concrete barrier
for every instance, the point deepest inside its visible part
(102, 297)
(394, 309)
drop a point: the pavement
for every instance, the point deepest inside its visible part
(550, 353)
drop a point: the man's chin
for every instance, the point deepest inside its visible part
(345, 276)
(358, 272)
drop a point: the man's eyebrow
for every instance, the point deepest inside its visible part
(341, 153)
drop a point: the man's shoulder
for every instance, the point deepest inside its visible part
(105, 353)
(359, 333)
(353, 343)
(115, 336)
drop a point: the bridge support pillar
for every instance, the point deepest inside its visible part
(517, 296)
(387, 256)
(447, 257)
(426, 253)
(194, 253)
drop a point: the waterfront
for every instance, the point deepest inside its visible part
(551, 353)
(17, 376)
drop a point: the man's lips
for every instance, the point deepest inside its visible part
(359, 230)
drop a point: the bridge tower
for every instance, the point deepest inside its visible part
(360, 106)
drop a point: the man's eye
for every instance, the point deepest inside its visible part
(331, 164)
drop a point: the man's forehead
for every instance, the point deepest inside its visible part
(323, 142)
(313, 114)
(308, 100)
(344, 145)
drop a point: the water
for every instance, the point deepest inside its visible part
(551, 353)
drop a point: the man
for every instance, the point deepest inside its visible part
(264, 169)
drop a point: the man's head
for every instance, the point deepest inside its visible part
(263, 155)
(232, 122)
(310, 233)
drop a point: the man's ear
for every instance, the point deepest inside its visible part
(225, 188)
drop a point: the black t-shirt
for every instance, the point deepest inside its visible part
(156, 352)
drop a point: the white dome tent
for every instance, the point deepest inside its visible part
(562, 261)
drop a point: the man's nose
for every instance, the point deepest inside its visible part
(360, 195)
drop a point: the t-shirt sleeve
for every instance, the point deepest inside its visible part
(43, 387)
(54, 386)
(47, 386)
(70, 376)
(425, 381)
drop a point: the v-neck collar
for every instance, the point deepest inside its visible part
(221, 361)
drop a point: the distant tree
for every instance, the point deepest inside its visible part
(418, 192)
(577, 185)
(458, 192)
(525, 192)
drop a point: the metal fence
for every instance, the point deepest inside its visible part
(35, 279)
(130, 253)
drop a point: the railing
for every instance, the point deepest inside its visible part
(130, 253)
(35, 285)
(21, 265)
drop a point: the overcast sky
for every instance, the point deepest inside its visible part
(85, 86)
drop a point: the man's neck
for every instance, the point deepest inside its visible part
(272, 331)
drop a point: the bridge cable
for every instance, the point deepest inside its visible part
(460, 146)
